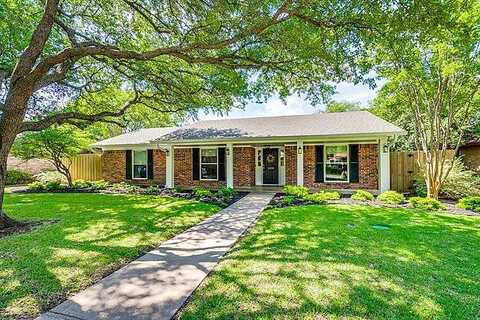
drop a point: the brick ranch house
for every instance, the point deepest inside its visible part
(324, 150)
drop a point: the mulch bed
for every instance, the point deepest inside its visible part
(24, 227)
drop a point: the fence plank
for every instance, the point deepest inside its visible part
(86, 167)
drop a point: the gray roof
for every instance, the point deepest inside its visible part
(141, 136)
(317, 124)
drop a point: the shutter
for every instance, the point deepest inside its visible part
(196, 164)
(128, 165)
(150, 164)
(221, 164)
(353, 166)
(319, 163)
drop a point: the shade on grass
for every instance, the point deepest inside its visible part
(327, 262)
(95, 235)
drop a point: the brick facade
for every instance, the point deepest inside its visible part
(290, 165)
(368, 169)
(182, 172)
(114, 167)
(244, 167)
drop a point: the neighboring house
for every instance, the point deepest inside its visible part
(470, 152)
(33, 166)
(324, 150)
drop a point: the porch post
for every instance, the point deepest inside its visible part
(229, 160)
(169, 181)
(384, 183)
(300, 163)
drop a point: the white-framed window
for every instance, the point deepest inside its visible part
(139, 164)
(336, 163)
(209, 164)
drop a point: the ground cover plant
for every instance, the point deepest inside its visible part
(90, 236)
(347, 262)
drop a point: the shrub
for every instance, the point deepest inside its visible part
(288, 200)
(51, 176)
(18, 177)
(226, 193)
(99, 185)
(81, 184)
(123, 187)
(151, 190)
(318, 198)
(178, 189)
(296, 191)
(470, 203)
(425, 203)
(330, 195)
(53, 186)
(391, 197)
(36, 186)
(362, 195)
(201, 192)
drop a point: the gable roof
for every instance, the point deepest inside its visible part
(141, 136)
(317, 124)
(314, 125)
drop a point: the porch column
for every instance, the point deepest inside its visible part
(229, 162)
(169, 181)
(300, 163)
(384, 183)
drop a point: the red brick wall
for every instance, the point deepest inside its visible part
(114, 163)
(368, 169)
(290, 165)
(244, 167)
(182, 172)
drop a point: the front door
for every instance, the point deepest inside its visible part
(270, 166)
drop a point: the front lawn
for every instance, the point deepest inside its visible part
(95, 234)
(347, 262)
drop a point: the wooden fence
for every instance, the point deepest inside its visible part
(404, 169)
(87, 167)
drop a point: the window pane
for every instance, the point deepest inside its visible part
(209, 171)
(336, 172)
(140, 157)
(140, 171)
(209, 155)
(335, 154)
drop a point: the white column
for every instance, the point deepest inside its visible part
(169, 183)
(300, 163)
(384, 166)
(229, 163)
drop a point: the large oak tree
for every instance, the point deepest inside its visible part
(177, 56)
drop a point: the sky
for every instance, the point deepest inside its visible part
(296, 105)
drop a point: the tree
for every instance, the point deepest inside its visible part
(342, 106)
(436, 77)
(175, 57)
(57, 144)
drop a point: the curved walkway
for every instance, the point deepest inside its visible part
(157, 284)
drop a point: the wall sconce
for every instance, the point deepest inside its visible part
(300, 150)
(167, 152)
(385, 148)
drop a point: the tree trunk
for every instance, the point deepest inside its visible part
(5, 221)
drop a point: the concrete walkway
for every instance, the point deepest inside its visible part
(157, 284)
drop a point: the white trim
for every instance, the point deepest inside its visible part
(170, 168)
(200, 165)
(300, 163)
(229, 165)
(325, 163)
(384, 167)
(133, 163)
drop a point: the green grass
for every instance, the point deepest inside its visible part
(327, 262)
(95, 235)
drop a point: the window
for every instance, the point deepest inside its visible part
(336, 163)
(139, 164)
(209, 164)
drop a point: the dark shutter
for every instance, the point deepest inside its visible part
(353, 163)
(319, 163)
(196, 163)
(221, 164)
(150, 164)
(128, 164)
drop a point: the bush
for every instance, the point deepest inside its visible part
(81, 184)
(329, 195)
(123, 187)
(201, 192)
(318, 198)
(51, 176)
(296, 191)
(151, 190)
(53, 186)
(362, 195)
(288, 200)
(226, 193)
(18, 177)
(36, 186)
(425, 203)
(391, 197)
(470, 203)
(99, 185)
(178, 189)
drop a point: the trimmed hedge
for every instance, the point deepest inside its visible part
(391, 197)
(425, 203)
(362, 195)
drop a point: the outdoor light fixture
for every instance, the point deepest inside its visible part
(167, 152)
(300, 150)
(227, 152)
(385, 148)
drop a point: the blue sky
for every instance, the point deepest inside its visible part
(296, 105)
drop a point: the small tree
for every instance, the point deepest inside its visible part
(56, 144)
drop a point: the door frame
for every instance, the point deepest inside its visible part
(259, 165)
